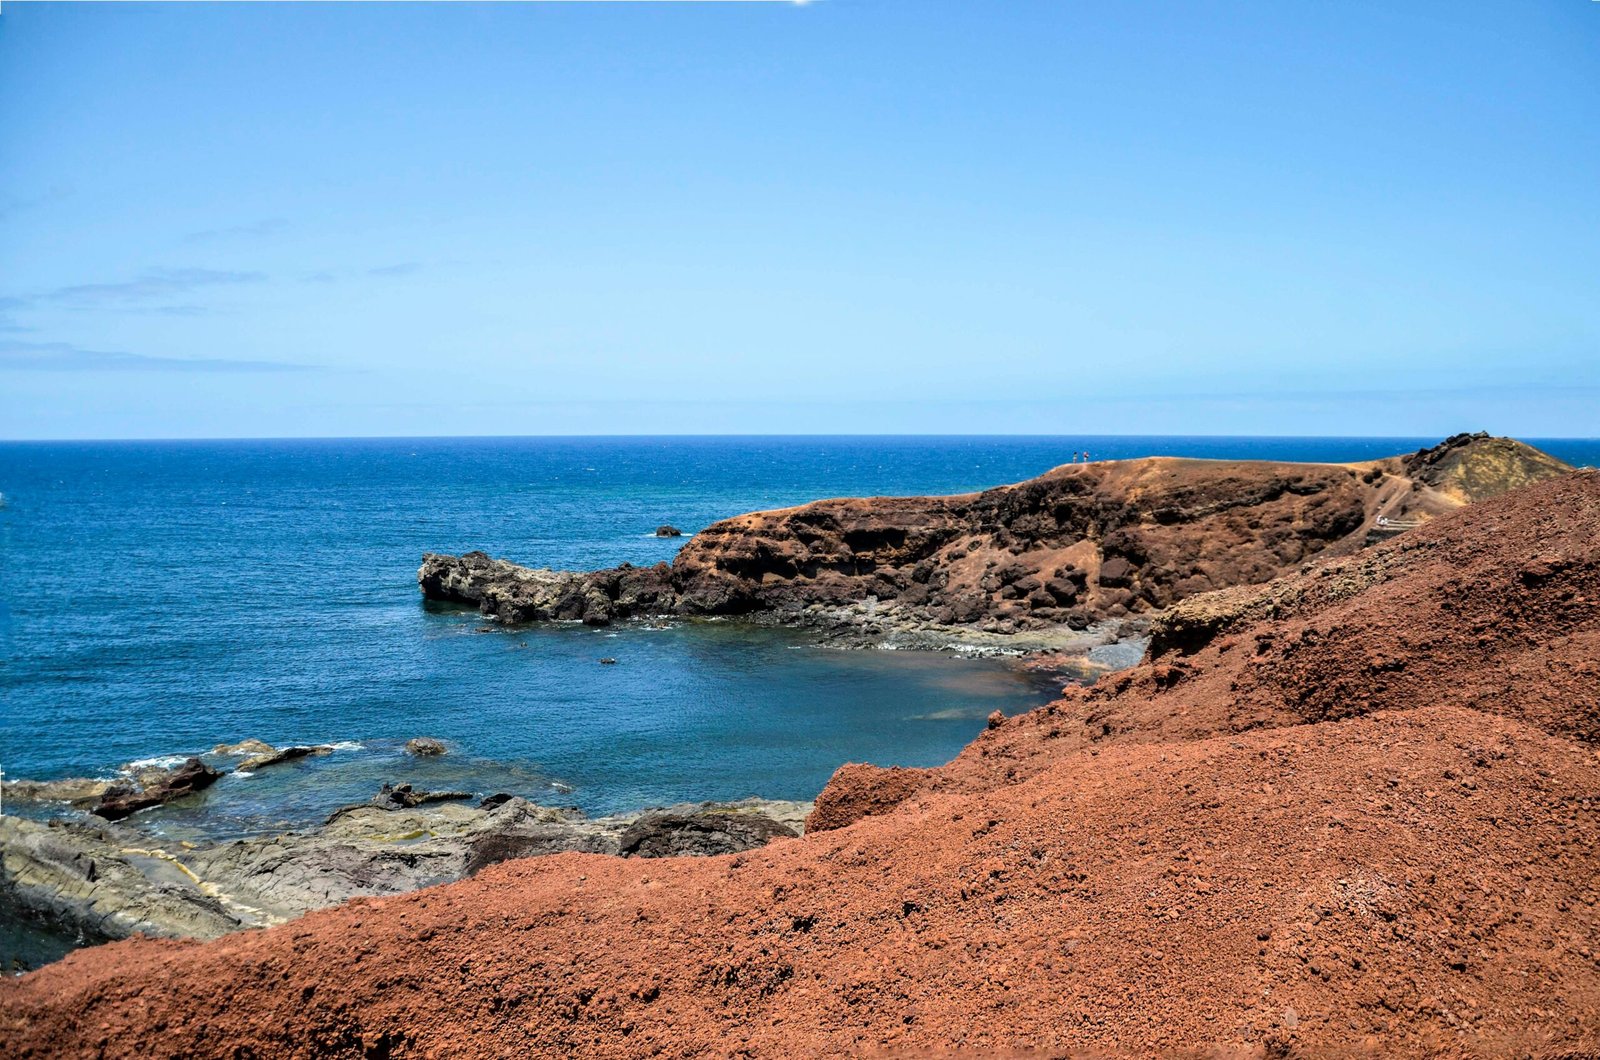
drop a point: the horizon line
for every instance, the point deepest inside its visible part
(777, 434)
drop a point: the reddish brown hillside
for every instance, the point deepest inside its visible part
(1494, 610)
(1360, 819)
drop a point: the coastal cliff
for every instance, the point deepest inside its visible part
(1354, 812)
(1080, 544)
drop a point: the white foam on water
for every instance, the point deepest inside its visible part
(348, 745)
(239, 773)
(160, 761)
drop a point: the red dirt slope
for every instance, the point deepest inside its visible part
(1359, 820)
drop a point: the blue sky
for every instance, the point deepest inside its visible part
(846, 216)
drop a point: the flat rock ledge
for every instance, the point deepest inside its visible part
(107, 881)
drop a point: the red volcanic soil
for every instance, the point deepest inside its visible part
(1351, 812)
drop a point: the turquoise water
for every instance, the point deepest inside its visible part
(159, 598)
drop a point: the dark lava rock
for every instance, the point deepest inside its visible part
(706, 834)
(531, 841)
(668, 531)
(425, 747)
(499, 798)
(194, 775)
(403, 797)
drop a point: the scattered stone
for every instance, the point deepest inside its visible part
(668, 531)
(425, 747)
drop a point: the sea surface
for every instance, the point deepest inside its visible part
(158, 598)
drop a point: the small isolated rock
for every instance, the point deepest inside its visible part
(425, 747)
(665, 530)
(251, 746)
(285, 754)
(608, 661)
(996, 719)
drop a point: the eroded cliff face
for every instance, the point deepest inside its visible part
(1079, 544)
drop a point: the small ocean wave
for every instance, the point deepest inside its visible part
(348, 745)
(158, 762)
(238, 774)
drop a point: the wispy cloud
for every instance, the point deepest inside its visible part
(155, 283)
(399, 268)
(267, 227)
(65, 357)
(12, 205)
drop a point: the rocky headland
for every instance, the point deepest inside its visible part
(1057, 562)
(1348, 811)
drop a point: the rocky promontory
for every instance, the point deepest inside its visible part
(1081, 544)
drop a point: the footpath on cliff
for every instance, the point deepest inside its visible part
(1349, 811)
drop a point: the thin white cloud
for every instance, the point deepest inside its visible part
(269, 226)
(65, 357)
(155, 283)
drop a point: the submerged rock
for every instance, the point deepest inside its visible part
(404, 797)
(249, 746)
(273, 757)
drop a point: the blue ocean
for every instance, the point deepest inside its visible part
(157, 598)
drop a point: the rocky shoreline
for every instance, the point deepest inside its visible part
(1349, 811)
(1075, 569)
(83, 868)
